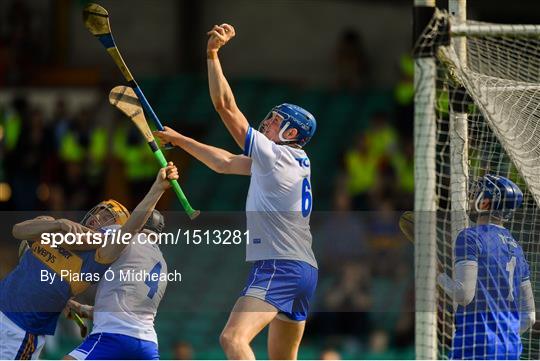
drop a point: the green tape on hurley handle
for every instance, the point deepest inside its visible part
(176, 187)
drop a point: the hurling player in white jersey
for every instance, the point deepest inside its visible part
(125, 307)
(284, 272)
(32, 309)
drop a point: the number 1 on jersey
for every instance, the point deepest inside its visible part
(510, 267)
(307, 200)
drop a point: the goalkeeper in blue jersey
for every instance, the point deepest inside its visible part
(491, 284)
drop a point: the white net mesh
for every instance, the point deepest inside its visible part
(498, 87)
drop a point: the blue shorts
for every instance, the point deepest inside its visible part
(287, 285)
(113, 346)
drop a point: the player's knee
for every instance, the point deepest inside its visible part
(229, 339)
(225, 339)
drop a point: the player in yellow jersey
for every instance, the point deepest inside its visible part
(34, 295)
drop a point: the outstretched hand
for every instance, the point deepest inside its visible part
(219, 35)
(167, 135)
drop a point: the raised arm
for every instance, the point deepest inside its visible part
(217, 159)
(220, 91)
(111, 251)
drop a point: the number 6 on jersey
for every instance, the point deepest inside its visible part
(307, 200)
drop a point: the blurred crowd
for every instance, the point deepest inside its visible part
(377, 169)
(20, 49)
(75, 158)
(366, 300)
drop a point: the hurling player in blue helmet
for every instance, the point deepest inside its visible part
(491, 283)
(287, 117)
(283, 277)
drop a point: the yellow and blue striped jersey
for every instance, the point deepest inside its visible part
(34, 294)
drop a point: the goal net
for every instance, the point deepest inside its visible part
(486, 107)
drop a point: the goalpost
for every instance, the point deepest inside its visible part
(477, 111)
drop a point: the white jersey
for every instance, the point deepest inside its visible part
(127, 298)
(279, 201)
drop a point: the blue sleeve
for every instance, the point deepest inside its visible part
(467, 248)
(248, 143)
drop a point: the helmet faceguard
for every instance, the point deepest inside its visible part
(270, 117)
(105, 214)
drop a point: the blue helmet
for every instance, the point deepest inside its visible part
(295, 117)
(504, 194)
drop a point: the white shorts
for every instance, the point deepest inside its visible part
(16, 343)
